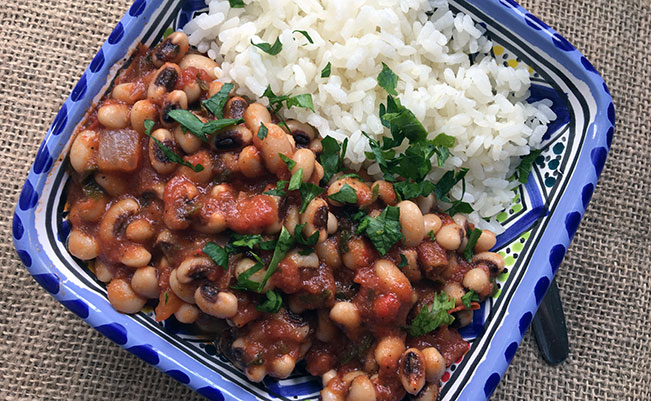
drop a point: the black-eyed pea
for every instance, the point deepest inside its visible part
(303, 133)
(175, 100)
(282, 367)
(429, 393)
(200, 62)
(432, 224)
(192, 90)
(332, 224)
(426, 203)
(464, 318)
(123, 298)
(235, 107)
(388, 351)
(315, 219)
(220, 304)
(134, 256)
(272, 146)
(411, 270)
(113, 116)
(183, 291)
(254, 115)
(455, 291)
(250, 163)
(142, 111)
(328, 252)
(434, 364)
(327, 376)
(186, 140)
(316, 146)
(83, 150)
(390, 276)
(412, 370)
(305, 160)
(187, 313)
(103, 271)
(194, 268)
(326, 330)
(82, 245)
(317, 174)
(385, 192)
(493, 260)
(202, 177)
(292, 217)
(140, 230)
(412, 223)
(361, 389)
(91, 209)
(486, 241)
(145, 282)
(256, 373)
(128, 92)
(171, 50)
(158, 160)
(346, 315)
(233, 138)
(327, 394)
(450, 236)
(164, 81)
(109, 226)
(477, 280)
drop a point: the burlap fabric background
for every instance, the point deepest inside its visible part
(46, 353)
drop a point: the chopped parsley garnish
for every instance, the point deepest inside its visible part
(245, 283)
(332, 157)
(169, 153)
(410, 189)
(262, 132)
(308, 192)
(279, 191)
(325, 72)
(472, 241)
(346, 194)
(304, 33)
(403, 261)
(284, 244)
(245, 240)
(526, 163)
(236, 3)
(215, 104)
(299, 237)
(459, 207)
(276, 102)
(468, 298)
(446, 183)
(388, 80)
(268, 48)
(384, 230)
(289, 162)
(431, 235)
(168, 32)
(429, 319)
(217, 254)
(272, 304)
(296, 180)
(197, 127)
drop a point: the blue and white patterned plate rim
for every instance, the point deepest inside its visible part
(474, 379)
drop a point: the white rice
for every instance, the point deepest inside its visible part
(481, 104)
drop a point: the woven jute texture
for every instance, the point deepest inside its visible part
(46, 353)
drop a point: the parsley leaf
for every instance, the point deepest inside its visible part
(459, 207)
(279, 191)
(332, 157)
(304, 33)
(442, 144)
(236, 3)
(299, 237)
(268, 48)
(217, 254)
(289, 162)
(215, 104)
(526, 163)
(403, 261)
(472, 241)
(245, 283)
(245, 240)
(272, 304)
(429, 319)
(169, 154)
(468, 298)
(197, 127)
(346, 194)
(262, 132)
(431, 235)
(304, 101)
(296, 180)
(383, 231)
(284, 244)
(325, 72)
(308, 192)
(388, 80)
(446, 183)
(410, 190)
(276, 101)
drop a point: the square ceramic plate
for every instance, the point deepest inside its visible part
(539, 225)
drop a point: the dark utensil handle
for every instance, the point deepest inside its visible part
(550, 329)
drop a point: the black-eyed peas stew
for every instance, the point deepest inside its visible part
(218, 212)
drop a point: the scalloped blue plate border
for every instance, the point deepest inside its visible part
(552, 219)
